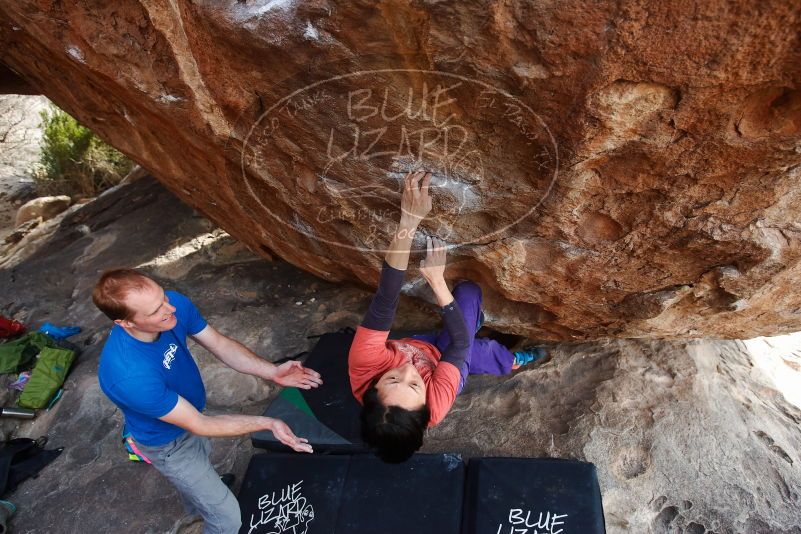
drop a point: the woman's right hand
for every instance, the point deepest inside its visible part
(415, 202)
(415, 205)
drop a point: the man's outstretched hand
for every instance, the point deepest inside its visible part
(284, 434)
(294, 374)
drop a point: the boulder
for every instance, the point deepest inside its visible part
(604, 170)
(44, 208)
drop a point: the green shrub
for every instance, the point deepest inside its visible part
(74, 161)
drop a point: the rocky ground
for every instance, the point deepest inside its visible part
(688, 437)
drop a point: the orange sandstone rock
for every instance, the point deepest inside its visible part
(623, 169)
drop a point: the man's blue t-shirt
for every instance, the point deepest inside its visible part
(145, 379)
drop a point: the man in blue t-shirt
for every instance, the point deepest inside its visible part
(147, 371)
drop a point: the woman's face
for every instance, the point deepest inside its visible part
(403, 387)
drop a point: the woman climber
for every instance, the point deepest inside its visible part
(408, 385)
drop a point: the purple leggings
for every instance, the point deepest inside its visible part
(486, 356)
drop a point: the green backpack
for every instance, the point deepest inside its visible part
(17, 353)
(47, 377)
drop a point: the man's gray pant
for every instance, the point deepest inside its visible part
(185, 463)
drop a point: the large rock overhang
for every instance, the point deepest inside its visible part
(603, 170)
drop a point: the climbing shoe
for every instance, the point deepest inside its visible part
(528, 355)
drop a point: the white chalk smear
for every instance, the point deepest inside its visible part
(249, 10)
(169, 99)
(311, 32)
(302, 226)
(76, 53)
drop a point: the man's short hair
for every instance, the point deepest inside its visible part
(394, 432)
(112, 288)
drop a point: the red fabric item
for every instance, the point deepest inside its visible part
(372, 355)
(10, 327)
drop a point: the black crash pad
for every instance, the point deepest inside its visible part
(532, 496)
(352, 494)
(328, 416)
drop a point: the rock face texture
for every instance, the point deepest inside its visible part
(614, 169)
(688, 437)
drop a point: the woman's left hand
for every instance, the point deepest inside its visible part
(433, 266)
